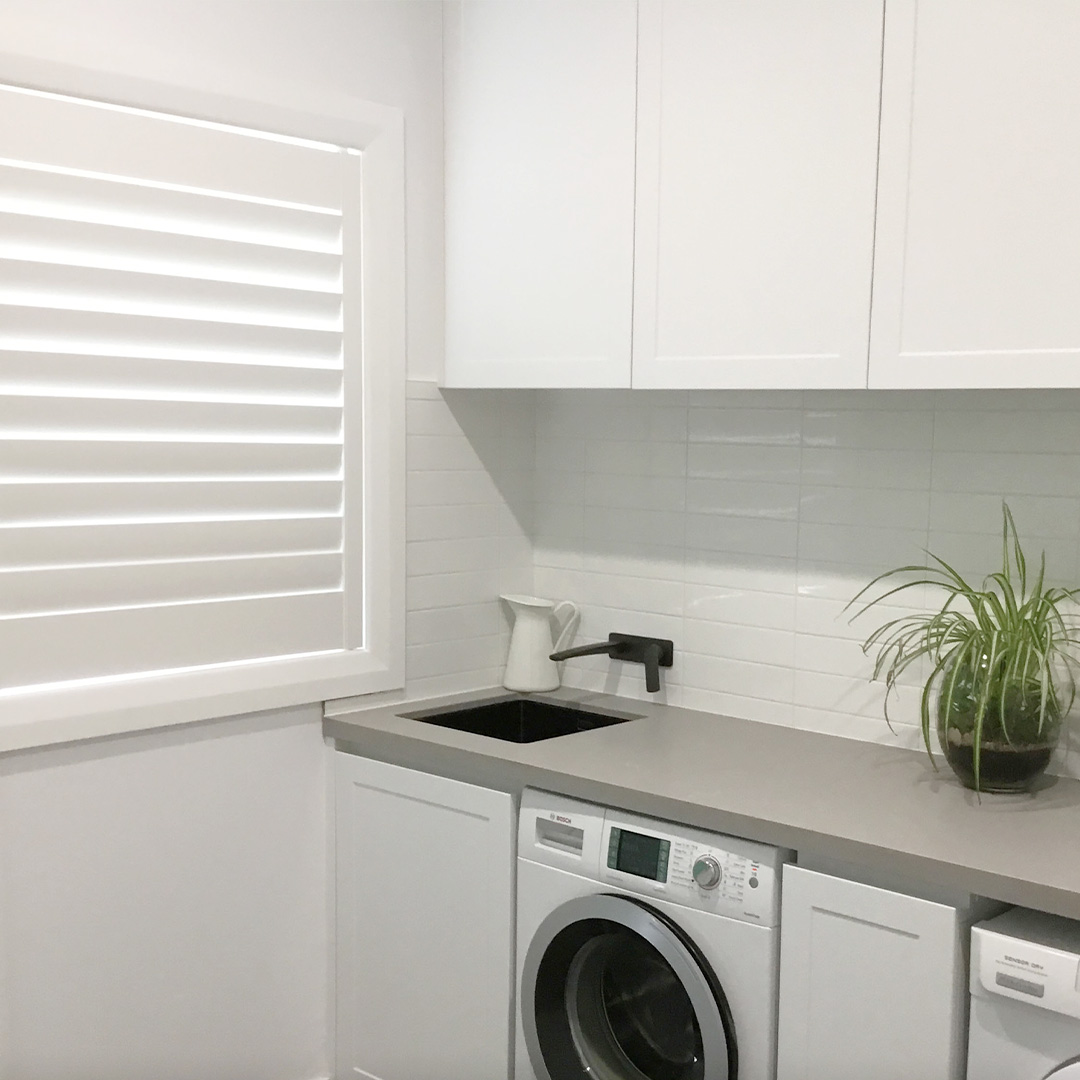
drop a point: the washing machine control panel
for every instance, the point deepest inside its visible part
(692, 867)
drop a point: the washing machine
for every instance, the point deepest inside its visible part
(645, 950)
(1025, 998)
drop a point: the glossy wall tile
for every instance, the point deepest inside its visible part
(741, 524)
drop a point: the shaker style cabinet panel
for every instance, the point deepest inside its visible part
(757, 154)
(872, 982)
(539, 192)
(977, 266)
(425, 870)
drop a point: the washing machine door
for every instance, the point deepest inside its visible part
(612, 989)
(1067, 1070)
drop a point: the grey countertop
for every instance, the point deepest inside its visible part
(878, 807)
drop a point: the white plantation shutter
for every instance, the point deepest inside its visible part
(172, 345)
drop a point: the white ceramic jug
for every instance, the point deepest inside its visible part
(528, 664)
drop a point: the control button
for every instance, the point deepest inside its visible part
(753, 883)
(707, 872)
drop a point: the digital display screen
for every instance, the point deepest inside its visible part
(644, 856)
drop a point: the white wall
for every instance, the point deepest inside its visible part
(739, 524)
(163, 897)
(311, 54)
(163, 905)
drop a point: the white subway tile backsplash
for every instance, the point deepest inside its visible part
(452, 657)
(858, 505)
(634, 491)
(738, 535)
(773, 682)
(747, 427)
(867, 467)
(749, 572)
(449, 522)
(793, 502)
(738, 523)
(861, 547)
(1042, 515)
(894, 429)
(762, 463)
(746, 399)
(559, 455)
(623, 458)
(1007, 474)
(760, 645)
(425, 453)
(471, 462)
(433, 556)
(452, 588)
(625, 529)
(742, 498)
(440, 488)
(727, 704)
(739, 606)
(433, 625)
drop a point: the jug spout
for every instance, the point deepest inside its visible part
(529, 666)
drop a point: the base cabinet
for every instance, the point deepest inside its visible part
(873, 983)
(424, 925)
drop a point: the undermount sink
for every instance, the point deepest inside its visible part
(519, 719)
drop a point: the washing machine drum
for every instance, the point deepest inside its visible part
(613, 989)
(1067, 1070)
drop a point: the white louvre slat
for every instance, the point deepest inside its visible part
(171, 393)
(41, 460)
(42, 330)
(79, 288)
(65, 647)
(197, 421)
(26, 190)
(71, 374)
(82, 588)
(75, 243)
(65, 545)
(70, 134)
(22, 504)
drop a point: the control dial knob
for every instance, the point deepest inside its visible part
(707, 872)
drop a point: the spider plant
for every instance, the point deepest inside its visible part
(1000, 656)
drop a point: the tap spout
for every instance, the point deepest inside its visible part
(585, 650)
(654, 653)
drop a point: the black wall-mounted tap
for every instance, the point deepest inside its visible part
(654, 653)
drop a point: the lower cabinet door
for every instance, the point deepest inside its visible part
(872, 983)
(424, 925)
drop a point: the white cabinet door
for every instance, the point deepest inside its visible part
(977, 266)
(872, 983)
(539, 192)
(757, 154)
(424, 925)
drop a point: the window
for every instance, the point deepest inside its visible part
(200, 364)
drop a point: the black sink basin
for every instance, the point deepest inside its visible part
(520, 720)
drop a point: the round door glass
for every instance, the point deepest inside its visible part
(630, 1017)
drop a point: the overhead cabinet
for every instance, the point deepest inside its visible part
(718, 193)
(977, 270)
(539, 192)
(757, 152)
(747, 134)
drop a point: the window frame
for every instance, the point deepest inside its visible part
(376, 461)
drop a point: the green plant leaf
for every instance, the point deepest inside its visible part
(1002, 657)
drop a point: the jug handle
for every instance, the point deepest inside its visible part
(569, 627)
